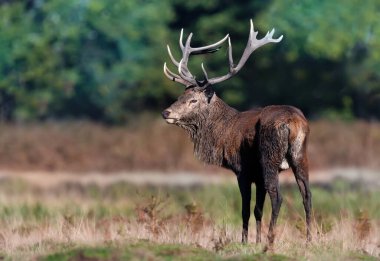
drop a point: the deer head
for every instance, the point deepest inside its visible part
(198, 94)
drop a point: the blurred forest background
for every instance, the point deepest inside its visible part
(81, 92)
(74, 70)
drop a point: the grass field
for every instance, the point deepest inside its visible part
(121, 221)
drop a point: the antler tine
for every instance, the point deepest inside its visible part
(252, 45)
(169, 73)
(182, 67)
(185, 73)
(230, 58)
(255, 43)
(204, 72)
(211, 46)
(171, 56)
(180, 40)
(174, 77)
(187, 44)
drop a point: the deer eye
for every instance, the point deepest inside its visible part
(193, 101)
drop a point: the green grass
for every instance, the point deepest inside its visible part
(219, 202)
(149, 251)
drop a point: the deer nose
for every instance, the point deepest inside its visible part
(165, 114)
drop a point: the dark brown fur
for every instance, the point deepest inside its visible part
(252, 144)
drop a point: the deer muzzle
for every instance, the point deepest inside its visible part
(166, 115)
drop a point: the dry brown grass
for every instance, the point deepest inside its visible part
(36, 221)
(18, 239)
(334, 144)
(84, 146)
(152, 144)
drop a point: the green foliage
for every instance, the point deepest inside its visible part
(344, 32)
(86, 58)
(101, 60)
(330, 50)
(340, 114)
(325, 29)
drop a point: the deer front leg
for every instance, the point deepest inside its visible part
(245, 191)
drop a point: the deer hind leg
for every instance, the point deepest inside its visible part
(273, 189)
(273, 148)
(299, 165)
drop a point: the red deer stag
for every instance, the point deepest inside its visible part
(256, 145)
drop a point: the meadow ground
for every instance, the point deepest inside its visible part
(50, 209)
(50, 217)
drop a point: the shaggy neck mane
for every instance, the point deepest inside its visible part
(208, 131)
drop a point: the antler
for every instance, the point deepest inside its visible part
(185, 77)
(252, 45)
